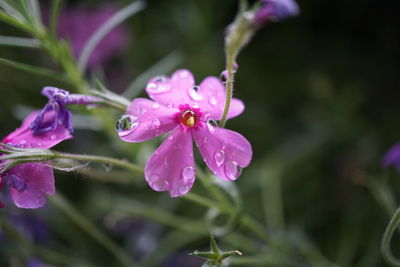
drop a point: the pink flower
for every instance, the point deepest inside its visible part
(29, 183)
(188, 111)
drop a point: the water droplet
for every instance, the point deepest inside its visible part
(170, 137)
(235, 67)
(224, 76)
(213, 122)
(159, 184)
(157, 88)
(184, 189)
(160, 79)
(184, 74)
(205, 140)
(210, 127)
(126, 124)
(219, 157)
(155, 105)
(212, 100)
(156, 123)
(53, 137)
(107, 166)
(194, 94)
(23, 142)
(188, 174)
(232, 170)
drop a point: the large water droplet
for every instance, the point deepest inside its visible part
(232, 170)
(219, 157)
(188, 174)
(126, 124)
(213, 122)
(157, 88)
(159, 184)
(184, 189)
(156, 123)
(194, 93)
(224, 76)
(212, 100)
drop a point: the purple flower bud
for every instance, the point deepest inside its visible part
(55, 113)
(275, 10)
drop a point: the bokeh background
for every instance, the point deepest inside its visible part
(322, 108)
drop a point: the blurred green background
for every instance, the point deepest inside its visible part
(321, 95)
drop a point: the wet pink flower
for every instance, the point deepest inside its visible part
(189, 112)
(29, 183)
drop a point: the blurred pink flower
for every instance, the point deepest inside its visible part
(77, 24)
(188, 111)
(29, 183)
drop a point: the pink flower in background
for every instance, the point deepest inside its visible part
(77, 24)
(29, 183)
(188, 111)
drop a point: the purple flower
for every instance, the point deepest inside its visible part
(276, 10)
(56, 111)
(188, 111)
(29, 183)
(392, 157)
(79, 23)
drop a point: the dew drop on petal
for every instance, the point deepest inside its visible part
(188, 174)
(126, 124)
(53, 137)
(219, 157)
(155, 88)
(210, 127)
(232, 170)
(213, 122)
(194, 93)
(155, 123)
(213, 101)
(184, 189)
(159, 184)
(155, 105)
(171, 137)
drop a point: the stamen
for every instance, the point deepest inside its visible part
(189, 118)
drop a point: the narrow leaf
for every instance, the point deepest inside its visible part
(19, 41)
(33, 69)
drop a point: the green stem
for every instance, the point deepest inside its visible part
(99, 159)
(387, 237)
(60, 202)
(230, 63)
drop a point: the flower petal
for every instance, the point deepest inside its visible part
(171, 167)
(225, 152)
(172, 91)
(23, 136)
(39, 180)
(148, 119)
(213, 96)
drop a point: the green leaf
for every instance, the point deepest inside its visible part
(213, 245)
(13, 21)
(55, 11)
(33, 69)
(105, 28)
(19, 41)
